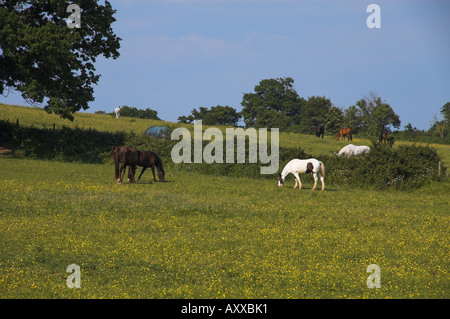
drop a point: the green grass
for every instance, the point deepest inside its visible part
(200, 236)
(206, 236)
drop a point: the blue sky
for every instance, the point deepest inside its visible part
(178, 55)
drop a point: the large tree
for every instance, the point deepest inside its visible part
(371, 115)
(275, 103)
(315, 112)
(45, 59)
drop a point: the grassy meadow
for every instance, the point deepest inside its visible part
(206, 236)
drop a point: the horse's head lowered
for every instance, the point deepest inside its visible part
(159, 166)
(161, 175)
(280, 181)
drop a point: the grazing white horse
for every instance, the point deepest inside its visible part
(307, 166)
(117, 110)
(353, 150)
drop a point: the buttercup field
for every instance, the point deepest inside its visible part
(217, 158)
(209, 236)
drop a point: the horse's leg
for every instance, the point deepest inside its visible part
(123, 173)
(322, 180)
(315, 181)
(119, 180)
(153, 171)
(119, 174)
(123, 168)
(129, 174)
(142, 172)
(133, 171)
(297, 178)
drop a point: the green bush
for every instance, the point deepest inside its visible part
(405, 167)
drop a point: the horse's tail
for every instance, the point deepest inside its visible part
(322, 169)
(116, 163)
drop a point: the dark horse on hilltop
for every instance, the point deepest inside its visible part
(319, 130)
(383, 136)
(128, 156)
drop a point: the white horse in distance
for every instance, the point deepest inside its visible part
(353, 150)
(117, 110)
(297, 166)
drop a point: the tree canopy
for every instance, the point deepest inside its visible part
(221, 115)
(131, 111)
(44, 59)
(372, 116)
(275, 103)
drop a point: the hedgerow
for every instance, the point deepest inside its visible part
(403, 167)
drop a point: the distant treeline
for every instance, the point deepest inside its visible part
(134, 112)
(276, 103)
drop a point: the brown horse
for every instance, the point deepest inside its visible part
(343, 132)
(125, 156)
(149, 159)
